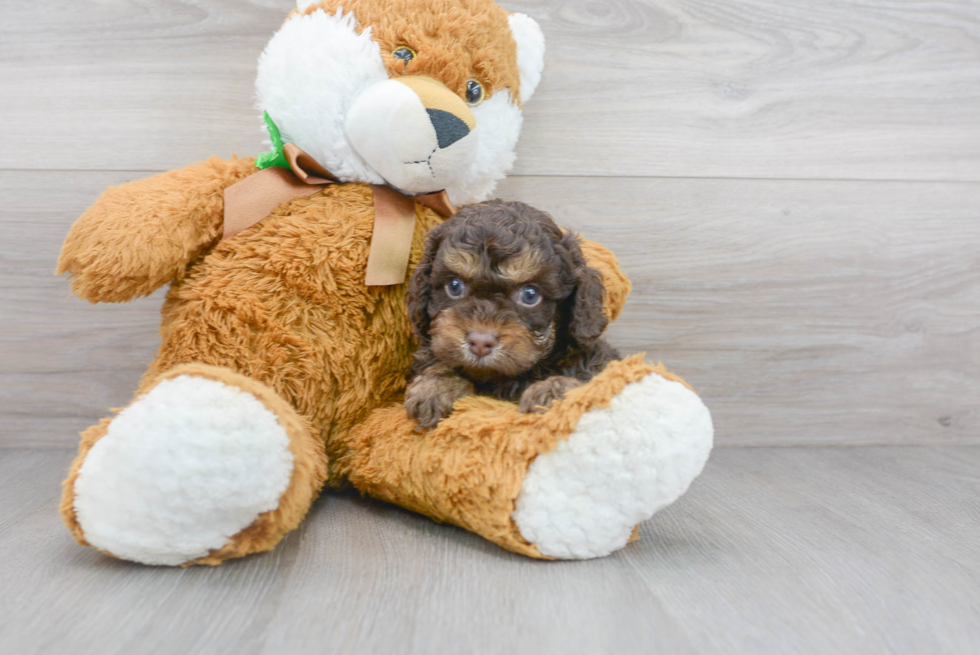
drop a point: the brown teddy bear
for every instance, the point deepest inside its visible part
(285, 338)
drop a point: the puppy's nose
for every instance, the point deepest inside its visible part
(481, 343)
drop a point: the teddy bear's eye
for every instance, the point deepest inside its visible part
(404, 53)
(474, 92)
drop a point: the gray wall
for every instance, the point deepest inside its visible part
(795, 191)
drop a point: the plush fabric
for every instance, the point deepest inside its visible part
(530, 52)
(141, 235)
(330, 53)
(460, 40)
(622, 463)
(491, 445)
(280, 372)
(282, 303)
(148, 525)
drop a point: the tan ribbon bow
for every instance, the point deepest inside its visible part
(249, 201)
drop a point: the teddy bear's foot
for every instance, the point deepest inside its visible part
(620, 465)
(569, 483)
(204, 466)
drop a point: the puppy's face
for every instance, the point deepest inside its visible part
(498, 290)
(495, 310)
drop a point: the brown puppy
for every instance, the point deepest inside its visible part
(503, 304)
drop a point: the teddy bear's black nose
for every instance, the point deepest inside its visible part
(449, 128)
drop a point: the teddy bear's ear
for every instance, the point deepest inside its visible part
(530, 52)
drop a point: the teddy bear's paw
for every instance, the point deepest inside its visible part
(181, 471)
(620, 465)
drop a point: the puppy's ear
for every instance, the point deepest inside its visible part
(420, 289)
(587, 322)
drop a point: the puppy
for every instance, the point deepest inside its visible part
(503, 304)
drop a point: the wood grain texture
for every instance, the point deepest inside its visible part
(62, 358)
(857, 89)
(847, 551)
(803, 312)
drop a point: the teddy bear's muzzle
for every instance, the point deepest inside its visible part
(416, 133)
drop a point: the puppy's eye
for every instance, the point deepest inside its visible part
(474, 92)
(404, 53)
(529, 296)
(455, 288)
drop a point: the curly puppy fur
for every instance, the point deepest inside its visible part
(503, 304)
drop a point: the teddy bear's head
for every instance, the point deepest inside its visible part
(422, 95)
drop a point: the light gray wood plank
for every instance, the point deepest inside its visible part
(804, 312)
(463, 595)
(852, 550)
(65, 362)
(828, 550)
(866, 89)
(843, 89)
(60, 598)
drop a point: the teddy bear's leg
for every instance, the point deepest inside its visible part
(571, 483)
(204, 465)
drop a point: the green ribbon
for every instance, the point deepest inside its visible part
(276, 157)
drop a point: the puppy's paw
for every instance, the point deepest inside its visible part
(430, 398)
(539, 396)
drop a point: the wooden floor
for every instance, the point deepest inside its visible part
(794, 188)
(773, 551)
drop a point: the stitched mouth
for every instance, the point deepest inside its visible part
(427, 161)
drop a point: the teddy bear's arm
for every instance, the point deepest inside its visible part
(616, 283)
(142, 234)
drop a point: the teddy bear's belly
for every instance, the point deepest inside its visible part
(285, 303)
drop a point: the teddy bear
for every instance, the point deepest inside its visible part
(285, 339)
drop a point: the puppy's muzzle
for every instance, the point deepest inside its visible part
(416, 133)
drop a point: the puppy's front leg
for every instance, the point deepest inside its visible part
(431, 394)
(539, 396)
